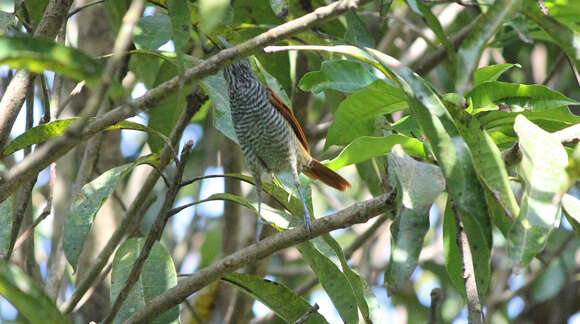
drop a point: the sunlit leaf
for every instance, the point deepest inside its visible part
(38, 55)
(418, 184)
(535, 97)
(543, 170)
(341, 75)
(491, 73)
(44, 132)
(358, 114)
(364, 148)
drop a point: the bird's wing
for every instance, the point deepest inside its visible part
(287, 113)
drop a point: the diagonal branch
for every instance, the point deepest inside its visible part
(56, 148)
(357, 213)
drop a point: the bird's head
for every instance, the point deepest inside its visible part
(239, 73)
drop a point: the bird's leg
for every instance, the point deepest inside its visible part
(259, 223)
(301, 195)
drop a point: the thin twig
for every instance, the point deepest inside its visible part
(554, 68)
(85, 6)
(307, 315)
(436, 298)
(132, 215)
(474, 310)
(574, 70)
(354, 214)
(154, 235)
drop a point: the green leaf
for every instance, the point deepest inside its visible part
(358, 114)
(181, 25)
(418, 185)
(342, 75)
(38, 55)
(82, 213)
(5, 226)
(543, 170)
(44, 132)
(215, 86)
(333, 281)
(164, 115)
(157, 276)
(484, 29)
(571, 206)
(152, 31)
(536, 97)
(35, 10)
(279, 298)
(451, 251)
(491, 73)
(356, 32)
(212, 12)
(454, 160)
(365, 148)
(487, 158)
(27, 297)
(433, 23)
(211, 247)
(567, 39)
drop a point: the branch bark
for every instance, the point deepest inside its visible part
(56, 148)
(357, 213)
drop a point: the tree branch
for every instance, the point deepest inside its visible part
(56, 148)
(357, 213)
(474, 311)
(154, 235)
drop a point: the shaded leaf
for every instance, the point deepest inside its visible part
(341, 75)
(215, 86)
(5, 225)
(280, 299)
(484, 29)
(157, 276)
(38, 55)
(418, 185)
(82, 212)
(566, 38)
(27, 297)
(486, 157)
(365, 148)
(454, 159)
(451, 251)
(181, 24)
(358, 114)
(152, 31)
(44, 132)
(356, 31)
(333, 281)
(543, 170)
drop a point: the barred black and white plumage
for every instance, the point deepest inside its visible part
(269, 135)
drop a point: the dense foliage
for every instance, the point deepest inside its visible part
(123, 198)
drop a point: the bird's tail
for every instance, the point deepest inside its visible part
(319, 171)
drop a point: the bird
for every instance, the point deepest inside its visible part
(270, 137)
